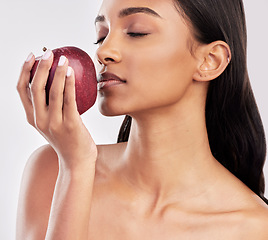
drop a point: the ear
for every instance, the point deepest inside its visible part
(212, 60)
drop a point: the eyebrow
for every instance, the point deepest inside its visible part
(130, 11)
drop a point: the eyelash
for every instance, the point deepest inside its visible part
(100, 40)
(131, 34)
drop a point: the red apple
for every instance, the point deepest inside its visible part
(85, 75)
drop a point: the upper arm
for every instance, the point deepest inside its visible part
(36, 193)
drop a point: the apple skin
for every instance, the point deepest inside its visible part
(85, 75)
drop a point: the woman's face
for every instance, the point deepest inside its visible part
(146, 44)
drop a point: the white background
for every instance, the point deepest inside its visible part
(29, 25)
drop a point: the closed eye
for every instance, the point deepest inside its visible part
(137, 34)
(131, 34)
(100, 40)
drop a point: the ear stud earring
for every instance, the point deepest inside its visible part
(203, 75)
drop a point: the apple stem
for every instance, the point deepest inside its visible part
(44, 49)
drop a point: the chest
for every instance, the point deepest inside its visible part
(117, 223)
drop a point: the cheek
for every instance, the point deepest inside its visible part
(161, 74)
(158, 73)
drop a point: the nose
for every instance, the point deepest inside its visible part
(108, 52)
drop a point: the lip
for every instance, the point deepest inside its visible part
(108, 79)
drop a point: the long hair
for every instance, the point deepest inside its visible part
(234, 126)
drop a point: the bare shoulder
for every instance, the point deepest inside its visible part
(251, 209)
(253, 222)
(36, 192)
(42, 166)
(256, 225)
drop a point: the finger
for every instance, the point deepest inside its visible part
(57, 90)
(23, 87)
(38, 85)
(69, 103)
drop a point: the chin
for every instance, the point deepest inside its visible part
(110, 110)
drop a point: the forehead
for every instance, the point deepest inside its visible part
(111, 8)
(170, 21)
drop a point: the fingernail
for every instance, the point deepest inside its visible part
(62, 60)
(29, 57)
(69, 71)
(47, 54)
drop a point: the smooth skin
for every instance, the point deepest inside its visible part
(164, 183)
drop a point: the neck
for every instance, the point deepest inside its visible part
(168, 150)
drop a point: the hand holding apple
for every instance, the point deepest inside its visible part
(85, 75)
(60, 123)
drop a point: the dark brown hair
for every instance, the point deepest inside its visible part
(234, 126)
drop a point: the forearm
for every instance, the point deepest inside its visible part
(61, 125)
(70, 209)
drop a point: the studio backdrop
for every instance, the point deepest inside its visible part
(28, 26)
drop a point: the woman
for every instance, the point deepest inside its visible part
(191, 150)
